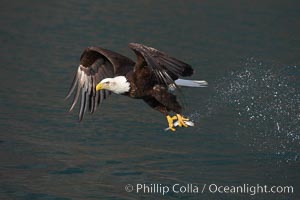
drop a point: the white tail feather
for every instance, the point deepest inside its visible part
(191, 83)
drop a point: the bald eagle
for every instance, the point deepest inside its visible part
(151, 78)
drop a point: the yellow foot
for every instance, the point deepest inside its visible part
(182, 120)
(170, 122)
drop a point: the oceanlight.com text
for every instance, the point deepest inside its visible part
(248, 189)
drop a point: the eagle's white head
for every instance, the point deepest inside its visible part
(118, 85)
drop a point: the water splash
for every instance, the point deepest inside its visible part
(265, 99)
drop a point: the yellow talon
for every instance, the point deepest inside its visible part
(182, 120)
(174, 118)
(170, 122)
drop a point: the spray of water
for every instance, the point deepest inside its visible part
(265, 99)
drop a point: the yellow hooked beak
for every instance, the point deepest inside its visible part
(100, 86)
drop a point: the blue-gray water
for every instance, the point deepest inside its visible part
(247, 120)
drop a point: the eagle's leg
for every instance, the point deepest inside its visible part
(171, 122)
(182, 120)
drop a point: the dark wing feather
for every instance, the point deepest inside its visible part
(166, 68)
(96, 64)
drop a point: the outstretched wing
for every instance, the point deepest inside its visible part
(96, 64)
(166, 68)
